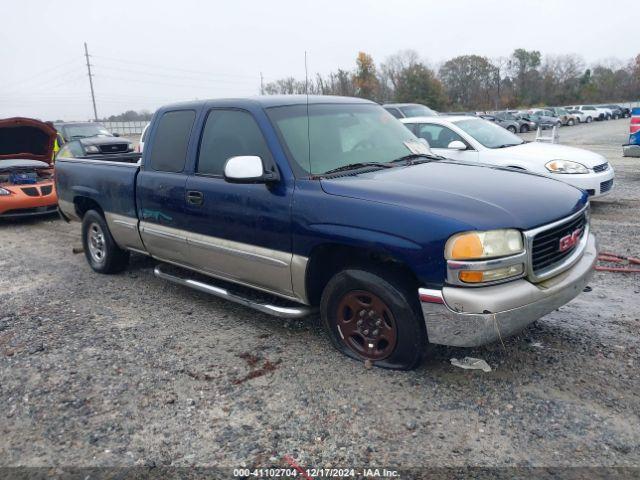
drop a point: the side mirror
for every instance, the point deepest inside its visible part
(457, 145)
(116, 134)
(248, 169)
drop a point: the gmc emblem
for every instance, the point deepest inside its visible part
(570, 241)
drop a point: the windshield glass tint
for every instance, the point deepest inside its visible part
(417, 111)
(489, 134)
(340, 135)
(81, 131)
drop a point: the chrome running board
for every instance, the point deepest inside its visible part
(275, 310)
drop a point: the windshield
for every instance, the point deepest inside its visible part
(340, 135)
(418, 111)
(85, 130)
(489, 134)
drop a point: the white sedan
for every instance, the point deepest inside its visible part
(473, 139)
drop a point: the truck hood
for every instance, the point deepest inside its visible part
(545, 152)
(103, 140)
(482, 197)
(26, 138)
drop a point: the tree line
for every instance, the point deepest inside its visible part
(474, 82)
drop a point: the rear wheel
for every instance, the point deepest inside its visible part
(512, 129)
(101, 251)
(524, 128)
(589, 120)
(570, 122)
(371, 319)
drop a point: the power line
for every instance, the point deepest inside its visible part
(168, 75)
(169, 67)
(137, 80)
(38, 75)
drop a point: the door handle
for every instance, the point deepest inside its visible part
(195, 198)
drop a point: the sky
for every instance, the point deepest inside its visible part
(146, 54)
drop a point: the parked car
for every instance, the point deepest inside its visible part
(624, 112)
(544, 118)
(323, 202)
(507, 123)
(476, 140)
(406, 110)
(95, 146)
(565, 117)
(616, 111)
(581, 117)
(595, 112)
(26, 173)
(525, 122)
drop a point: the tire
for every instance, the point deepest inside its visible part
(570, 122)
(589, 120)
(512, 129)
(524, 128)
(351, 296)
(101, 251)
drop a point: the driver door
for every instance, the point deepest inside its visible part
(440, 139)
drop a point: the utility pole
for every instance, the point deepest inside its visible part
(93, 96)
(261, 84)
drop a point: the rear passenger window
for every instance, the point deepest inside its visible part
(229, 133)
(169, 149)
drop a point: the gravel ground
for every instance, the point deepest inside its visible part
(130, 370)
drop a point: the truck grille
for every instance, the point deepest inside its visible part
(114, 148)
(606, 186)
(546, 251)
(601, 168)
(46, 189)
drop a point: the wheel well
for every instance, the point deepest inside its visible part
(84, 204)
(327, 260)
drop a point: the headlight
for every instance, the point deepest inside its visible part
(92, 149)
(565, 166)
(4, 191)
(483, 245)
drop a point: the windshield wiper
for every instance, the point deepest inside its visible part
(355, 166)
(416, 158)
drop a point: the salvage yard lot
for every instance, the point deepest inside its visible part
(131, 370)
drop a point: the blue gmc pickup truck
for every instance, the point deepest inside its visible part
(289, 204)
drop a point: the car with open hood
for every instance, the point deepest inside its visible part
(26, 170)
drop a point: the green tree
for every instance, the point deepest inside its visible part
(469, 81)
(523, 65)
(417, 83)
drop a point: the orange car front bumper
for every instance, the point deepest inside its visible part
(28, 200)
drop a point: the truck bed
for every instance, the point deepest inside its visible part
(110, 183)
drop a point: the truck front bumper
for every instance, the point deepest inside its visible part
(469, 317)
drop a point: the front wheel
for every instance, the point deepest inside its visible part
(101, 251)
(368, 318)
(524, 128)
(512, 129)
(570, 123)
(589, 119)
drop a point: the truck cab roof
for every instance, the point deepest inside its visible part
(267, 101)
